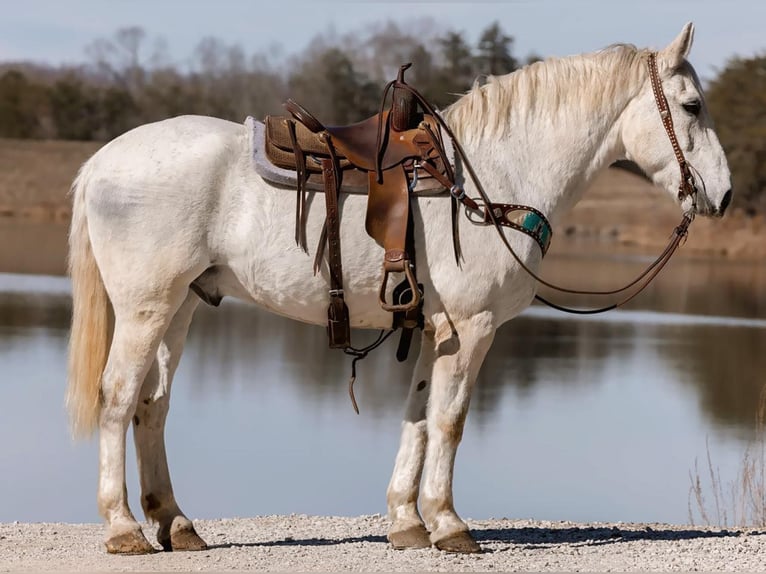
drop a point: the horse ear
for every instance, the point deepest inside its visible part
(679, 48)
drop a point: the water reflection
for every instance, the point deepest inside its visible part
(725, 366)
(703, 287)
(237, 342)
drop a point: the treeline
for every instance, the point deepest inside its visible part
(737, 102)
(129, 80)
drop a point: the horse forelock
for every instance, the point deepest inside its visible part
(582, 84)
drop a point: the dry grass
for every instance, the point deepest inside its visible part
(35, 177)
(741, 502)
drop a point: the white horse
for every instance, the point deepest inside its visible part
(174, 201)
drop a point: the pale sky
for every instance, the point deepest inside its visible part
(56, 31)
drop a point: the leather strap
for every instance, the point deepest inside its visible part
(338, 326)
(302, 177)
(388, 210)
(687, 186)
(412, 317)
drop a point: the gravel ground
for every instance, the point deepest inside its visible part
(313, 543)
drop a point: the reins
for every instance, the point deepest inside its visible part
(687, 188)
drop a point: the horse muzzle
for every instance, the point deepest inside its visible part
(725, 201)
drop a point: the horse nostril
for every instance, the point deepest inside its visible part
(724, 203)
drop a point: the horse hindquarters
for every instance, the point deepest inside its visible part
(114, 251)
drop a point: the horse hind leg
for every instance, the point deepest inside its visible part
(175, 531)
(138, 330)
(407, 528)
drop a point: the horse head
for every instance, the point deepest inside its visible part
(649, 142)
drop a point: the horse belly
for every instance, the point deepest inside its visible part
(265, 266)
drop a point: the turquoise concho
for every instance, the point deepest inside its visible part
(539, 228)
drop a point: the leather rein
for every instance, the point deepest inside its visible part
(493, 213)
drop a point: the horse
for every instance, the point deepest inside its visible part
(178, 201)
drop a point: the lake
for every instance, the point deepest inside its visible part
(586, 419)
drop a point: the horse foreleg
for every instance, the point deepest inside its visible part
(454, 374)
(407, 528)
(175, 531)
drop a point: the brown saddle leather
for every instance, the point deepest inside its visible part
(355, 152)
(390, 156)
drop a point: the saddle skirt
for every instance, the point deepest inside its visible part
(354, 181)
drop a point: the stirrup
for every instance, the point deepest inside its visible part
(412, 284)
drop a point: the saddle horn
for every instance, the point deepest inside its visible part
(404, 106)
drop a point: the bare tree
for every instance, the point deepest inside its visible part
(494, 52)
(120, 60)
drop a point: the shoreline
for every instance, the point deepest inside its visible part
(325, 543)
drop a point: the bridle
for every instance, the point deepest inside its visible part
(489, 212)
(687, 187)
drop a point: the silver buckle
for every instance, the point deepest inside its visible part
(453, 192)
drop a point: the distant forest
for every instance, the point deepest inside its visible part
(129, 80)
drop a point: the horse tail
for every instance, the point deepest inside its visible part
(89, 336)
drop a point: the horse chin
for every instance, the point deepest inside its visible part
(698, 206)
(688, 205)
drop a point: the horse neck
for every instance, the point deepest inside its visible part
(549, 150)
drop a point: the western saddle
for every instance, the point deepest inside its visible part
(390, 156)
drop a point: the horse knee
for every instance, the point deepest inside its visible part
(117, 401)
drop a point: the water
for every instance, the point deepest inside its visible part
(587, 419)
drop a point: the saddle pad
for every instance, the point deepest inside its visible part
(256, 133)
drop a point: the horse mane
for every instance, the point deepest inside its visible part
(577, 84)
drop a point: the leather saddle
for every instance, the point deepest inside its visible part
(390, 156)
(359, 138)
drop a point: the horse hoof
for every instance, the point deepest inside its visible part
(461, 543)
(183, 540)
(132, 542)
(413, 537)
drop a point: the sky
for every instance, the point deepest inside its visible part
(57, 31)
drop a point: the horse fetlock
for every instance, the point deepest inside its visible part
(402, 504)
(440, 518)
(448, 531)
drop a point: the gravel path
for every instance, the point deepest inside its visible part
(311, 543)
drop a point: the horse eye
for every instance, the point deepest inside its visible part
(693, 107)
